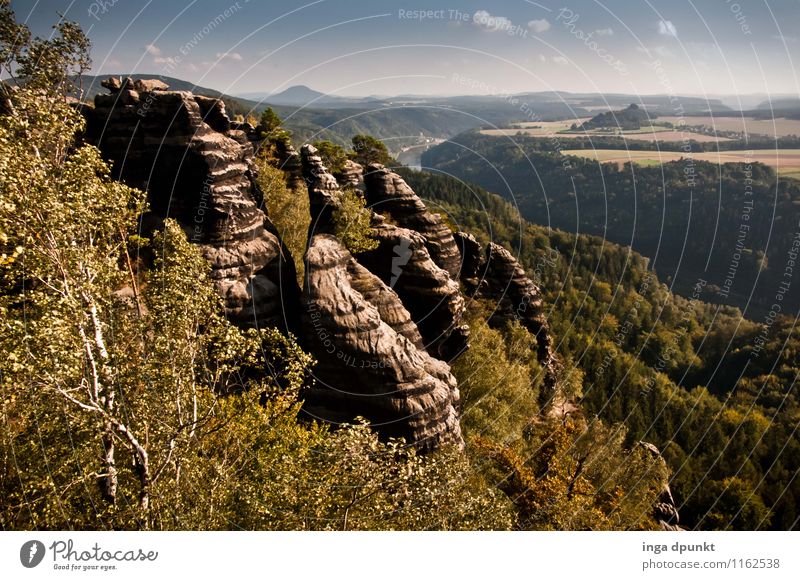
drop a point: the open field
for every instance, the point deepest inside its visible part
(779, 127)
(560, 130)
(536, 129)
(785, 161)
(665, 135)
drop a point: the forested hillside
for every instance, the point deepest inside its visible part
(715, 391)
(734, 226)
(145, 384)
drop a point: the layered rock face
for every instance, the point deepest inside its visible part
(180, 148)
(665, 511)
(495, 274)
(323, 190)
(376, 322)
(370, 360)
(389, 194)
(433, 298)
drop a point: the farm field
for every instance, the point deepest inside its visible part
(780, 127)
(559, 129)
(536, 129)
(785, 161)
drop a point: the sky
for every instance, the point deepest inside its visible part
(381, 47)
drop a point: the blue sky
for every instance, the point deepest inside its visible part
(701, 47)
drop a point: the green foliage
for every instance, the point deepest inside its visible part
(559, 473)
(351, 219)
(499, 380)
(289, 210)
(368, 149)
(569, 476)
(268, 122)
(333, 156)
(710, 388)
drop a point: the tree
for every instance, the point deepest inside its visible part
(351, 219)
(333, 156)
(288, 210)
(368, 149)
(268, 122)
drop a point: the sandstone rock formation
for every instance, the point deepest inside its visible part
(401, 260)
(370, 360)
(434, 300)
(176, 146)
(323, 190)
(665, 511)
(494, 274)
(352, 175)
(472, 263)
(389, 194)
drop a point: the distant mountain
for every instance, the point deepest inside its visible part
(780, 104)
(303, 96)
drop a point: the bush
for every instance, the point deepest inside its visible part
(351, 220)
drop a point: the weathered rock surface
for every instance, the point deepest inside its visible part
(323, 191)
(175, 146)
(473, 262)
(665, 511)
(389, 194)
(434, 300)
(494, 274)
(370, 360)
(352, 175)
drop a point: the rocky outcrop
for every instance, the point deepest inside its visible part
(323, 191)
(370, 360)
(401, 260)
(389, 194)
(665, 511)
(495, 275)
(352, 175)
(178, 148)
(515, 296)
(434, 300)
(472, 263)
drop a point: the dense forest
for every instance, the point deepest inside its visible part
(129, 400)
(733, 226)
(715, 391)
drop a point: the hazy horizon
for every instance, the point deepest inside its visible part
(470, 47)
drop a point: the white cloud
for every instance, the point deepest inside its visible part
(667, 28)
(494, 23)
(229, 56)
(542, 58)
(604, 32)
(539, 25)
(560, 60)
(168, 60)
(152, 50)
